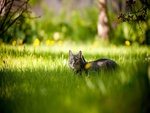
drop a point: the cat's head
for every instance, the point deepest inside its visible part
(75, 61)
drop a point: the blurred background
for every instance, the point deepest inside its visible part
(119, 22)
(35, 37)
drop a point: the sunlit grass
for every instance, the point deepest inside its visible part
(37, 79)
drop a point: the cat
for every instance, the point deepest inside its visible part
(78, 64)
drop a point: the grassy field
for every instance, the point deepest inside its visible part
(38, 80)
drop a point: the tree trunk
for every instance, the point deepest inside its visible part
(103, 25)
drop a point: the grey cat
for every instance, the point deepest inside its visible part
(78, 64)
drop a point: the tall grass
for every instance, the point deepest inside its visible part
(38, 80)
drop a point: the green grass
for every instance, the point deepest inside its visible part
(38, 80)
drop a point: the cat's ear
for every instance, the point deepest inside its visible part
(80, 54)
(70, 53)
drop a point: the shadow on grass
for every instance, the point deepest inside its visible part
(39, 90)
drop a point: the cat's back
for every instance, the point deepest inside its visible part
(104, 63)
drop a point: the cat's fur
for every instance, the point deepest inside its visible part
(78, 64)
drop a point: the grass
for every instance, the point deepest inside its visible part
(38, 80)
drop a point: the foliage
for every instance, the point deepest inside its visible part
(78, 26)
(10, 12)
(126, 32)
(26, 31)
(133, 12)
(81, 25)
(42, 82)
(135, 32)
(137, 22)
(33, 2)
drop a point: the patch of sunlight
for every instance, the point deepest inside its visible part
(102, 87)
(29, 62)
(89, 83)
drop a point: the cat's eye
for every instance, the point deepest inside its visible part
(76, 61)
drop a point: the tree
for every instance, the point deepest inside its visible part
(103, 23)
(10, 12)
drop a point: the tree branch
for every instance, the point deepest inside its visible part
(10, 17)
